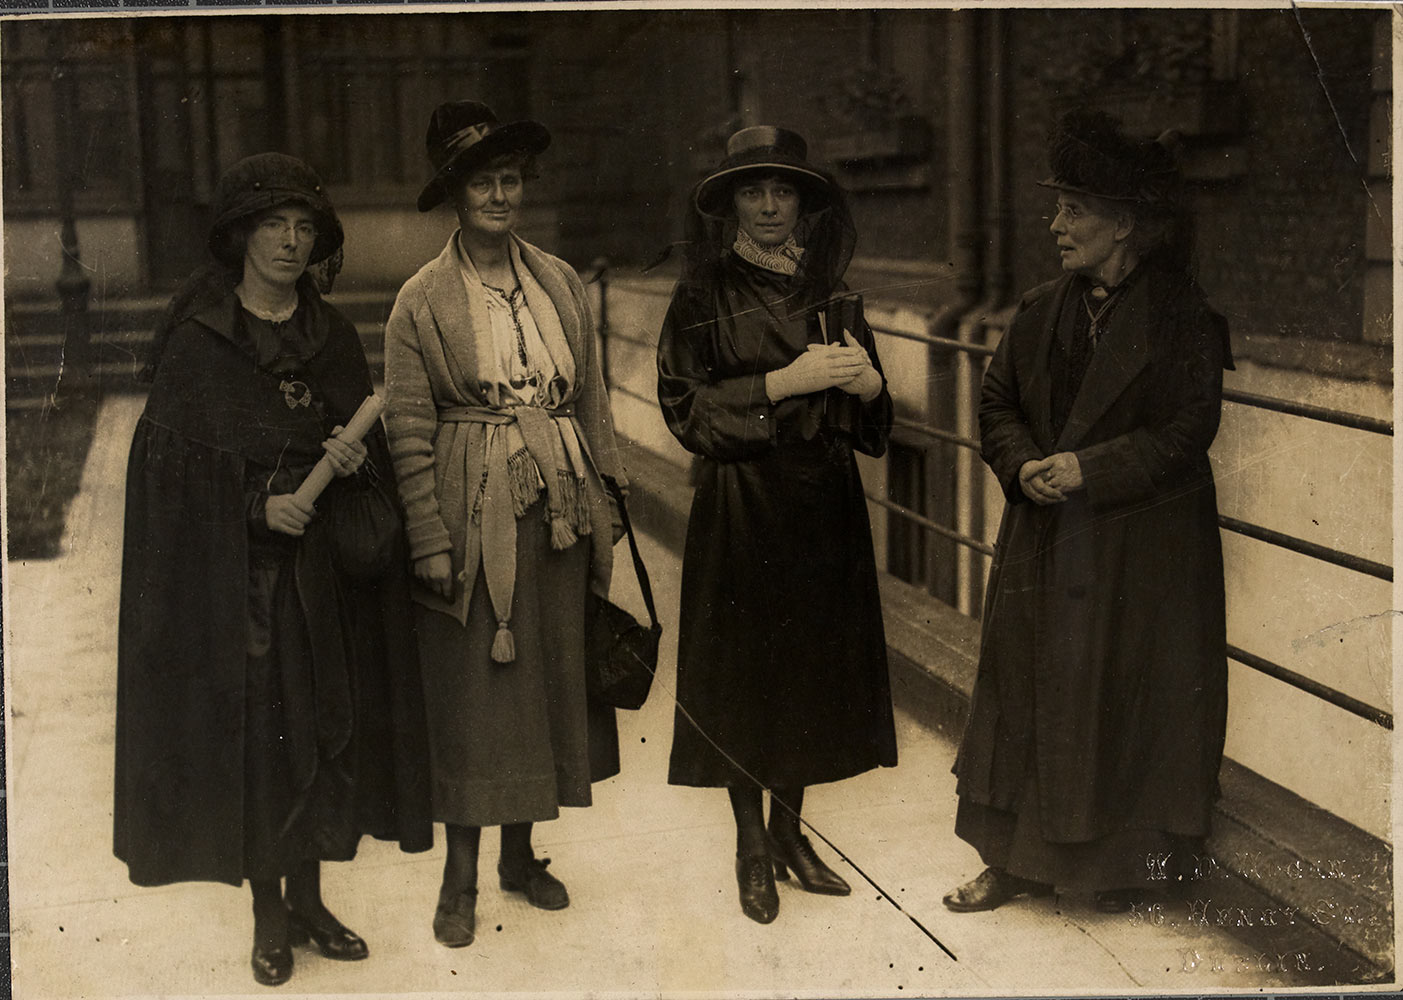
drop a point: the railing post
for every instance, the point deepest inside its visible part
(73, 284)
(600, 266)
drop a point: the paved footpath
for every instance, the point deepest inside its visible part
(649, 867)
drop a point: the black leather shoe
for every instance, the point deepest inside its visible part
(756, 880)
(272, 966)
(992, 888)
(333, 939)
(1114, 900)
(812, 873)
(543, 890)
(455, 920)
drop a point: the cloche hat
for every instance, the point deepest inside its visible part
(1090, 154)
(262, 182)
(464, 134)
(762, 148)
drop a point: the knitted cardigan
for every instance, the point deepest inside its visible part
(436, 345)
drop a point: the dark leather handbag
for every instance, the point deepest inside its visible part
(621, 655)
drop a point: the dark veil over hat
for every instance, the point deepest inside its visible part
(463, 135)
(825, 229)
(1090, 154)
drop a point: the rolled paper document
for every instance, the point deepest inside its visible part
(322, 473)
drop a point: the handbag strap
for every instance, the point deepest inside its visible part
(638, 568)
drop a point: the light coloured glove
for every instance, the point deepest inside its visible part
(818, 368)
(867, 384)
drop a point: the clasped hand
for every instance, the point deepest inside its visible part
(1049, 480)
(825, 366)
(288, 515)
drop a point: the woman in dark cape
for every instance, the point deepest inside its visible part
(1097, 724)
(782, 670)
(269, 709)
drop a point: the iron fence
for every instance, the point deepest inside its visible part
(973, 347)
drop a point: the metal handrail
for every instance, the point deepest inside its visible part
(1322, 691)
(1315, 551)
(1322, 553)
(910, 515)
(1340, 418)
(982, 350)
(638, 341)
(906, 423)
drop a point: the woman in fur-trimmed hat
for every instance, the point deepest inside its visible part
(1097, 724)
(269, 710)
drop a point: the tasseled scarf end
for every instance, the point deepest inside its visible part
(503, 645)
(562, 536)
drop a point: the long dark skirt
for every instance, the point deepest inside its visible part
(1126, 859)
(513, 742)
(782, 660)
(290, 816)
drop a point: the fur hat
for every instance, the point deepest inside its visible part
(263, 182)
(1090, 154)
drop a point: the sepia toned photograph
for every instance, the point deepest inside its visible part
(706, 500)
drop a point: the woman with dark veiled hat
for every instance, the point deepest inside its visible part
(1097, 724)
(501, 433)
(269, 707)
(768, 374)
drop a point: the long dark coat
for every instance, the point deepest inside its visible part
(215, 424)
(1103, 653)
(782, 668)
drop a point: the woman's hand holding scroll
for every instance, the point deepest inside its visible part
(288, 514)
(345, 457)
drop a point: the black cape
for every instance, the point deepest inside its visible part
(213, 420)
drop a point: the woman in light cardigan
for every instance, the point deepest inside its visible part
(500, 431)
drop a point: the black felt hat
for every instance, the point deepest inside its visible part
(1090, 154)
(464, 134)
(768, 149)
(263, 182)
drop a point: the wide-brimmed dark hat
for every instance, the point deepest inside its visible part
(464, 134)
(263, 182)
(763, 149)
(1090, 154)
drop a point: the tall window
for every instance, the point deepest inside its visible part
(99, 120)
(361, 88)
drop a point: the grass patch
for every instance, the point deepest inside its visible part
(45, 450)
